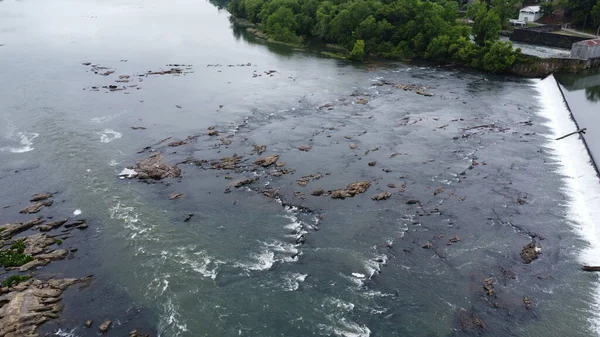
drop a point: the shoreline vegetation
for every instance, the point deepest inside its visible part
(403, 30)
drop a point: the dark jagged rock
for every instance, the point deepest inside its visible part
(174, 196)
(155, 168)
(10, 229)
(40, 197)
(34, 208)
(227, 163)
(50, 225)
(177, 143)
(350, 190)
(488, 285)
(372, 163)
(305, 148)
(244, 182)
(382, 196)
(104, 326)
(271, 193)
(259, 149)
(412, 201)
(530, 252)
(28, 304)
(267, 161)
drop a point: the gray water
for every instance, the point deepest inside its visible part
(235, 269)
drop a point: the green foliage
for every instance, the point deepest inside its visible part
(14, 256)
(58, 241)
(580, 10)
(506, 9)
(397, 29)
(547, 8)
(487, 22)
(358, 51)
(498, 56)
(596, 14)
(281, 25)
(14, 280)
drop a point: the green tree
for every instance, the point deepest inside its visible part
(486, 26)
(282, 25)
(499, 56)
(596, 14)
(547, 8)
(358, 52)
(505, 9)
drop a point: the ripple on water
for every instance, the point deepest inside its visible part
(25, 139)
(108, 135)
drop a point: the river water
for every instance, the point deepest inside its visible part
(478, 155)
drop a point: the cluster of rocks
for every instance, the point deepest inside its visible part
(25, 301)
(124, 81)
(27, 305)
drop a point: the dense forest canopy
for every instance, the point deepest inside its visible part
(398, 29)
(582, 13)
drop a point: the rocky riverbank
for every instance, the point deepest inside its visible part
(30, 297)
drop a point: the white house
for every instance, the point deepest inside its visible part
(530, 14)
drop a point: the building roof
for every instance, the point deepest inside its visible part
(595, 42)
(534, 9)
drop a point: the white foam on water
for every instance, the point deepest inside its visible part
(109, 135)
(200, 262)
(104, 119)
(25, 139)
(113, 162)
(582, 185)
(171, 320)
(262, 261)
(129, 217)
(345, 328)
(338, 304)
(128, 173)
(291, 282)
(77, 212)
(65, 333)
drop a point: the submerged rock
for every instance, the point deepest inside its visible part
(318, 192)
(468, 321)
(530, 252)
(267, 161)
(227, 163)
(305, 148)
(155, 168)
(350, 190)
(259, 149)
(177, 143)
